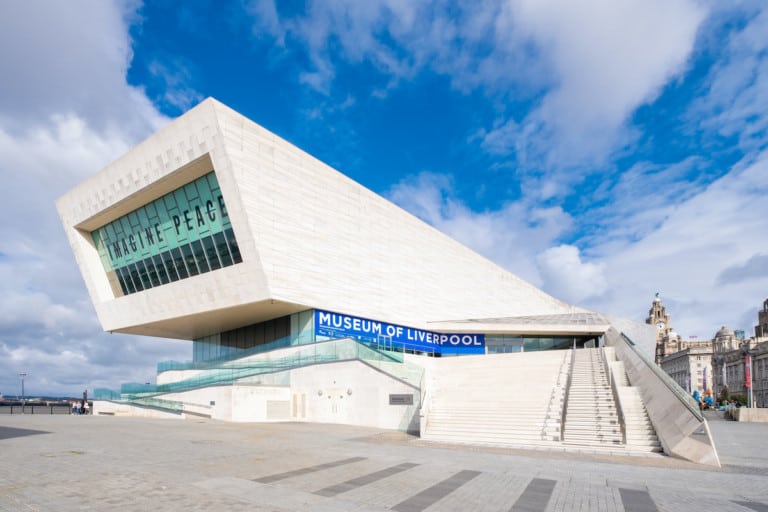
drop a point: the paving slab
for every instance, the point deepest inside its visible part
(96, 463)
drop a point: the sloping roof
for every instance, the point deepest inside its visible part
(583, 322)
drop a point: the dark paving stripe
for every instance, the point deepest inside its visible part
(637, 501)
(304, 471)
(745, 470)
(10, 432)
(753, 505)
(535, 497)
(364, 480)
(427, 497)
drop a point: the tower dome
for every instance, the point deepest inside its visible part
(724, 332)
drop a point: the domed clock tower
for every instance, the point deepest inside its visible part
(658, 317)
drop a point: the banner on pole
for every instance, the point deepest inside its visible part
(748, 371)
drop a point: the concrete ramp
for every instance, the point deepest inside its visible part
(681, 429)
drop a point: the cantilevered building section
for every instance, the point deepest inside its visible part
(285, 231)
(217, 231)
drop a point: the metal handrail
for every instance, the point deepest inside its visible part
(616, 399)
(228, 373)
(425, 403)
(287, 342)
(567, 392)
(673, 386)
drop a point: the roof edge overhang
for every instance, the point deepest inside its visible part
(200, 324)
(586, 323)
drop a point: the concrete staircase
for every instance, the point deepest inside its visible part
(497, 399)
(591, 417)
(641, 436)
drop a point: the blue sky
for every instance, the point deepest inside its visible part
(603, 151)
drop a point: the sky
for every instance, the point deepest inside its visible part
(604, 151)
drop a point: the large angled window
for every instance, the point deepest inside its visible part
(182, 234)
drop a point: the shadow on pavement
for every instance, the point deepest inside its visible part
(10, 432)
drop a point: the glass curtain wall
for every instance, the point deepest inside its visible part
(286, 331)
(182, 234)
(506, 343)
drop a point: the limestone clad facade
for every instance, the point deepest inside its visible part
(308, 236)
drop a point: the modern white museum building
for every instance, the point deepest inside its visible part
(307, 297)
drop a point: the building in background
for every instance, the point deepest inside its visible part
(761, 329)
(741, 365)
(691, 367)
(667, 340)
(729, 359)
(688, 362)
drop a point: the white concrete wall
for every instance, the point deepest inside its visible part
(352, 393)
(349, 392)
(103, 407)
(749, 414)
(309, 236)
(214, 402)
(261, 403)
(168, 159)
(326, 241)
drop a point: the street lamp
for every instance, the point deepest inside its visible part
(22, 375)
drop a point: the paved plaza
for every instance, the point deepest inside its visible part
(95, 463)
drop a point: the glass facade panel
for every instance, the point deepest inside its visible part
(199, 255)
(210, 253)
(505, 343)
(178, 261)
(189, 259)
(231, 343)
(170, 267)
(162, 274)
(222, 248)
(125, 283)
(184, 233)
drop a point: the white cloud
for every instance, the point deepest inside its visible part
(685, 258)
(637, 201)
(588, 66)
(65, 112)
(174, 73)
(71, 60)
(501, 139)
(400, 38)
(266, 19)
(737, 86)
(696, 251)
(569, 278)
(756, 267)
(511, 235)
(605, 59)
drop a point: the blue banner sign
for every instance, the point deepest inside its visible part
(337, 325)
